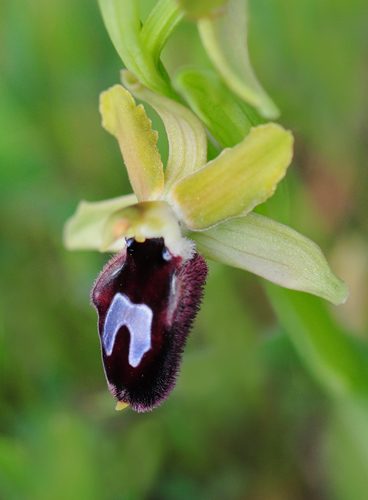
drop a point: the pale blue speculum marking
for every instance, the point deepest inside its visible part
(137, 318)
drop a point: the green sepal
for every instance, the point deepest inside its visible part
(83, 230)
(237, 180)
(224, 37)
(274, 251)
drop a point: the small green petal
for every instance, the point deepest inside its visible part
(83, 231)
(153, 219)
(130, 125)
(237, 180)
(186, 134)
(275, 252)
(227, 117)
(225, 40)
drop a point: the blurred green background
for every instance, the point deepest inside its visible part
(272, 401)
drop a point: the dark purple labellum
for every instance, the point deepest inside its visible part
(146, 300)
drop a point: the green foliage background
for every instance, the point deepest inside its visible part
(264, 409)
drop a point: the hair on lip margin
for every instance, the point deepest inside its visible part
(172, 289)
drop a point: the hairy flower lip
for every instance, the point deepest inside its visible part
(146, 300)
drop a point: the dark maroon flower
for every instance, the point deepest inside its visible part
(146, 299)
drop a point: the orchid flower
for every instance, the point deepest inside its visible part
(148, 294)
(188, 209)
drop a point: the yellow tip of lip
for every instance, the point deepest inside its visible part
(120, 405)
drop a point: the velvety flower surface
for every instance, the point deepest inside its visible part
(146, 300)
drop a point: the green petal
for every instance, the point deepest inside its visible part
(228, 118)
(121, 18)
(83, 231)
(275, 252)
(186, 134)
(225, 40)
(130, 125)
(153, 219)
(239, 179)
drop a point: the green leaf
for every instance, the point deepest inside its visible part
(186, 134)
(14, 467)
(228, 118)
(159, 25)
(345, 450)
(130, 125)
(121, 18)
(237, 180)
(224, 37)
(83, 231)
(337, 361)
(200, 8)
(275, 252)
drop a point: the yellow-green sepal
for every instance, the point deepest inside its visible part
(133, 130)
(83, 230)
(237, 180)
(274, 251)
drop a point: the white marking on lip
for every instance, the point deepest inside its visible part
(137, 318)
